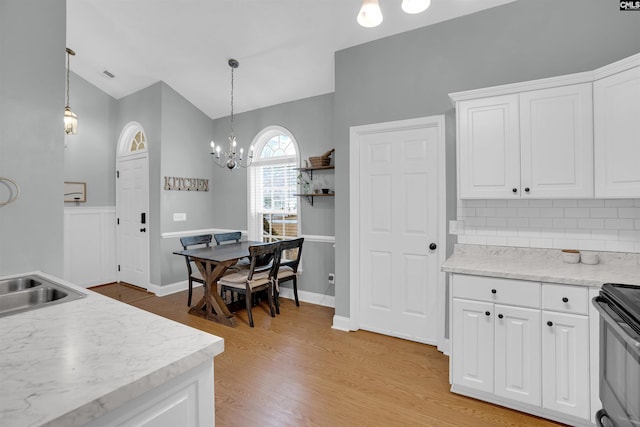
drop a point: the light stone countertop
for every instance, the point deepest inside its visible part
(543, 265)
(67, 364)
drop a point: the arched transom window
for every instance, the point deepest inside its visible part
(273, 205)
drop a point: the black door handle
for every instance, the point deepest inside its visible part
(143, 230)
(433, 246)
(515, 190)
(549, 323)
(500, 316)
(143, 218)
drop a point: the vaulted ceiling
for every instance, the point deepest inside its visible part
(285, 47)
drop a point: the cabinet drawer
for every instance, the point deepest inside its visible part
(503, 291)
(569, 299)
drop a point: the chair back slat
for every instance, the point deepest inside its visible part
(190, 241)
(287, 245)
(233, 236)
(260, 253)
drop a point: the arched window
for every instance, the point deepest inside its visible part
(273, 205)
(132, 139)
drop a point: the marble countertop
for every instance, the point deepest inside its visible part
(69, 363)
(543, 265)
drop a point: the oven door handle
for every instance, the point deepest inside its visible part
(604, 310)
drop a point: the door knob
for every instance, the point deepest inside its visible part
(143, 230)
(515, 190)
(433, 246)
(526, 189)
(500, 316)
(487, 313)
(549, 323)
(565, 299)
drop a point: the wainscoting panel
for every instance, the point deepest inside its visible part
(90, 245)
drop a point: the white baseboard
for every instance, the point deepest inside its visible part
(310, 297)
(341, 323)
(304, 296)
(163, 291)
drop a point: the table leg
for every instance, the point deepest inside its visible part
(213, 305)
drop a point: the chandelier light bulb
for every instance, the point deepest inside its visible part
(370, 14)
(415, 6)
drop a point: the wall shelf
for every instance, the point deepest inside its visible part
(312, 195)
(309, 171)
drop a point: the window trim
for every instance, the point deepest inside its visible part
(259, 141)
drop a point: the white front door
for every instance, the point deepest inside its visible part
(133, 219)
(399, 244)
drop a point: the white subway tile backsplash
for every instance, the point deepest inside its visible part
(592, 223)
(541, 222)
(618, 224)
(604, 212)
(552, 212)
(618, 203)
(587, 203)
(629, 213)
(565, 223)
(517, 222)
(601, 225)
(577, 212)
(565, 203)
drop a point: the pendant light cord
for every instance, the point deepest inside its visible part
(232, 134)
(67, 78)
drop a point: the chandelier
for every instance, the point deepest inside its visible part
(230, 159)
(70, 119)
(370, 14)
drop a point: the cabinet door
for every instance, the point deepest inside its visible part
(617, 135)
(472, 344)
(488, 148)
(517, 354)
(556, 142)
(565, 363)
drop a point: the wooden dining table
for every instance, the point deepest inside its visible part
(213, 262)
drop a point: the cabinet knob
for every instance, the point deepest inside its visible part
(500, 316)
(526, 189)
(515, 190)
(493, 291)
(565, 299)
(433, 246)
(549, 323)
(487, 313)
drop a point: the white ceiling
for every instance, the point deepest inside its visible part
(285, 47)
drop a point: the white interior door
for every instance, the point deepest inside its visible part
(399, 199)
(133, 219)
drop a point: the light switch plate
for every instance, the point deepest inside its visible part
(180, 216)
(456, 227)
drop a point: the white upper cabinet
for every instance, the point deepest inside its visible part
(617, 131)
(488, 147)
(527, 144)
(556, 142)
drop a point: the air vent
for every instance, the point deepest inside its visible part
(108, 74)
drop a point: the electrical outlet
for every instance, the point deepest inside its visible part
(332, 280)
(180, 216)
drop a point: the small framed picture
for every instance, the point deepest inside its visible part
(75, 191)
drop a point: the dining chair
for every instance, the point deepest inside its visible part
(288, 268)
(248, 282)
(233, 236)
(189, 242)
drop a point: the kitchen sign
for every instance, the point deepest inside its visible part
(185, 184)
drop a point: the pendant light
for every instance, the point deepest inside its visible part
(70, 119)
(370, 14)
(415, 6)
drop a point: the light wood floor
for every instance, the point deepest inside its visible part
(294, 370)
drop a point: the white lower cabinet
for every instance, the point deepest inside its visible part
(523, 345)
(517, 354)
(565, 363)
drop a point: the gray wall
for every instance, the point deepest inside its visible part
(410, 74)
(186, 133)
(32, 90)
(311, 122)
(90, 155)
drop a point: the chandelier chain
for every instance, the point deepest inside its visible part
(68, 79)
(232, 133)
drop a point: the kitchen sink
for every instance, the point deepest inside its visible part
(31, 292)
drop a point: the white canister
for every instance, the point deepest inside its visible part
(589, 258)
(570, 256)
